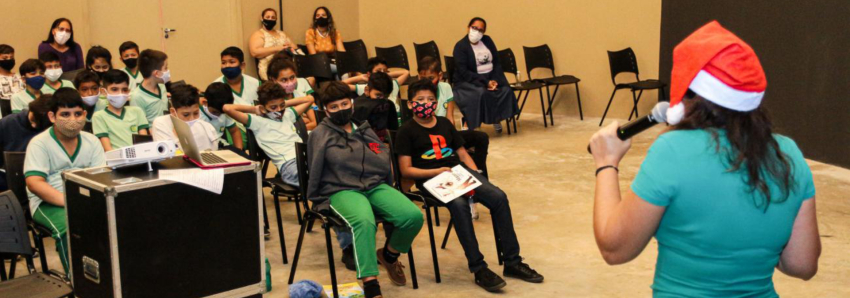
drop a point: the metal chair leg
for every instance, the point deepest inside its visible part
(609, 106)
(331, 258)
(298, 211)
(433, 244)
(437, 215)
(543, 106)
(448, 232)
(280, 229)
(3, 268)
(412, 269)
(524, 100)
(552, 100)
(265, 213)
(297, 253)
(42, 255)
(578, 98)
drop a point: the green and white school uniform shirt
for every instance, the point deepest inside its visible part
(153, 105)
(302, 88)
(47, 89)
(247, 93)
(135, 80)
(444, 97)
(46, 157)
(119, 128)
(220, 123)
(100, 105)
(276, 138)
(21, 100)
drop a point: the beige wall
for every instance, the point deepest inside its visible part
(25, 24)
(578, 32)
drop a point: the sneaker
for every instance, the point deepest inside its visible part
(473, 209)
(524, 272)
(489, 280)
(348, 258)
(395, 270)
(498, 127)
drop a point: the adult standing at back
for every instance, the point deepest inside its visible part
(60, 40)
(267, 41)
(323, 36)
(727, 199)
(481, 89)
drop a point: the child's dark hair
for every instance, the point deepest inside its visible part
(420, 85)
(269, 91)
(127, 45)
(48, 56)
(66, 97)
(98, 52)
(184, 96)
(85, 76)
(218, 94)
(334, 91)
(235, 53)
(31, 65)
(6, 49)
(381, 82)
(114, 76)
(151, 60)
(39, 108)
(429, 63)
(278, 65)
(374, 61)
(472, 21)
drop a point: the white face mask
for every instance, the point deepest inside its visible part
(53, 74)
(91, 100)
(117, 100)
(212, 116)
(475, 35)
(166, 76)
(61, 37)
(274, 115)
(191, 122)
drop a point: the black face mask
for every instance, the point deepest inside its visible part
(269, 24)
(8, 65)
(131, 62)
(341, 117)
(99, 74)
(322, 22)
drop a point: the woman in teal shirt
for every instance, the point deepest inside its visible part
(727, 200)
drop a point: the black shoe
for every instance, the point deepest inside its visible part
(489, 280)
(348, 258)
(524, 272)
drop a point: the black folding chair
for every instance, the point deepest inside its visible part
(358, 47)
(303, 49)
(450, 69)
(14, 241)
(329, 219)
(139, 139)
(426, 49)
(317, 66)
(14, 165)
(348, 62)
(5, 107)
(396, 56)
(509, 65)
(541, 57)
(625, 61)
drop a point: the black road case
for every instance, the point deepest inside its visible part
(133, 235)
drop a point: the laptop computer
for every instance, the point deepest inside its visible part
(206, 159)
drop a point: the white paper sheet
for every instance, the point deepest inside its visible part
(211, 180)
(448, 186)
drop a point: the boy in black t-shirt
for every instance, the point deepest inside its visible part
(430, 145)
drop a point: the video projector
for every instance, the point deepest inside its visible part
(141, 153)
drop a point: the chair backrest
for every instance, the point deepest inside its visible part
(15, 179)
(301, 128)
(508, 60)
(622, 61)
(450, 68)
(254, 151)
(396, 56)
(138, 139)
(394, 158)
(13, 226)
(347, 62)
(406, 113)
(320, 115)
(357, 46)
(426, 49)
(538, 57)
(5, 107)
(303, 49)
(318, 66)
(301, 162)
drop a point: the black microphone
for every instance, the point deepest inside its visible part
(627, 131)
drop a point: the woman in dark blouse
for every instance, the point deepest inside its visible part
(60, 40)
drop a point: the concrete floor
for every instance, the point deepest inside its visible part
(548, 177)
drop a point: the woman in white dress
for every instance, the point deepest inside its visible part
(268, 41)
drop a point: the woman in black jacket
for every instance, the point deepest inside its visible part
(480, 86)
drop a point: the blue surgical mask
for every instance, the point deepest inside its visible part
(36, 82)
(231, 72)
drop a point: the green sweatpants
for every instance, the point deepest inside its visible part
(53, 217)
(358, 209)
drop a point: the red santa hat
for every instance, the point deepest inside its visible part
(718, 66)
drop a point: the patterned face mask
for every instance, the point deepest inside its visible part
(423, 110)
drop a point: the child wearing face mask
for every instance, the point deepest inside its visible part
(60, 148)
(273, 125)
(151, 96)
(10, 82)
(129, 53)
(244, 87)
(32, 71)
(116, 125)
(283, 72)
(375, 108)
(52, 72)
(216, 96)
(88, 85)
(377, 64)
(99, 60)
(185, 106)
(429, 146)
